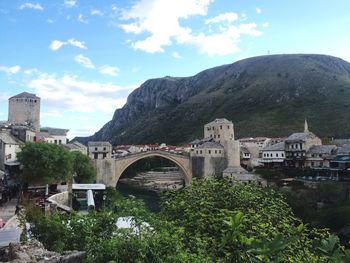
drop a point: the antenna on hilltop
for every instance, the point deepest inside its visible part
(268, 52)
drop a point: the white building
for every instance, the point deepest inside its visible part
(273, 155)
(53, 135)
(9, 147)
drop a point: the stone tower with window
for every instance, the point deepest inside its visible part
(24, 108)
(222, 132)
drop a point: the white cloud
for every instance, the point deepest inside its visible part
(51, 114)
(176, 55)
(221, 38)
(258, 10)
(68, 93)
(57, 44)
(224, 17)
(10, 70)
(147, 14)
(81, 19)
(70, 3)
(50, 21)
(96, 12)
(83, 131)
(35, 6)
(77, 43)
(30, 71)
(84, 61)
(266, 24)
(109, 70)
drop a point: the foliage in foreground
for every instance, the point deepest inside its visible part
(208, 221)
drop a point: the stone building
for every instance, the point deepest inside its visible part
(216, 151)
(9, 147)
(76, 147)
(24, 108)
(222, 132)
(99, 150)
(297, 144)
(320, 155)
(273, 156)
(241, 176)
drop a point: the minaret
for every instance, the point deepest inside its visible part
(306, 127)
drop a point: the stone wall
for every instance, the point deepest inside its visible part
(105, 171)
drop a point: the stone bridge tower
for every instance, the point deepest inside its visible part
(222, 132)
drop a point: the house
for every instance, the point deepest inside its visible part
(320, 155)
(99, 150)
(240, 175)
(52, 135)
(9, 147)
(257, 142)
(76, 146)
(250, 156)
(296, 146)
(273, 156)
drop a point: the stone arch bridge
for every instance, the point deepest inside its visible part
(110, 170)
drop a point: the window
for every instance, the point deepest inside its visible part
(200, 151)
(219, 151)
(95, 156)
(218, 135)
(276, 154)
(59, 141)
(264, 154)
(312, 163)
(197, 151)
(95, 148)
(104, 148)
(209, 151)
(228, 127)
(282, 154)
(214, 135)
(220, 127)
(55, 141)
(216, 151)
(104, 155)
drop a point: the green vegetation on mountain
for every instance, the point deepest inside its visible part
(266, 96)
(208, 221)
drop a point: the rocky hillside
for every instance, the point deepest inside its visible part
(263, 96)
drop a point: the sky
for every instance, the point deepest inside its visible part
(84, 57)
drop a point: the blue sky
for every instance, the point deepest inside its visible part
(83, 57)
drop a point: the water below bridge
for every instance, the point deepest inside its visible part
(150, 198)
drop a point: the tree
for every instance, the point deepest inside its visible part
(44, 163)
(83, 168)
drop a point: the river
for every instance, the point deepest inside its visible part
(150, 198)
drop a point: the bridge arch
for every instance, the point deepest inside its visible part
(183, 162)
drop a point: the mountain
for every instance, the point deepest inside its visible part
(263, 96)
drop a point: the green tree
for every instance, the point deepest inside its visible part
(83, 169)
(44, 163)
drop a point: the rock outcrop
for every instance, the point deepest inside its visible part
(34, 251)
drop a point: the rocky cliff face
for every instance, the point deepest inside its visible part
(267, 95)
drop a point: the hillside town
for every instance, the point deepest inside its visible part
(222, 154)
